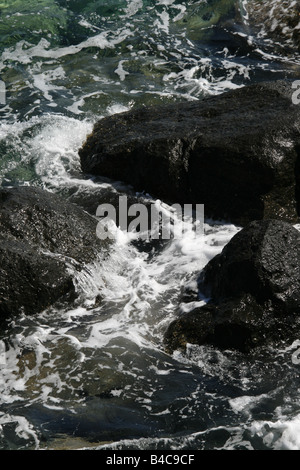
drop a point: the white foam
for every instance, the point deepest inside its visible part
(163, 22)
(25, 52)
(165, 2)
(245, 404)
(42, 81)
(23, 428)
(135, 286)
(133, 6)
(79, 103)
(55, 148)
(120, 70)
(194, 79)
(279, 435)
(117, 108)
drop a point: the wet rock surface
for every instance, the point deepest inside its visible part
(44, 241)
(236, 153)
(253, 288)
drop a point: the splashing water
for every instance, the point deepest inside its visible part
(97, 375)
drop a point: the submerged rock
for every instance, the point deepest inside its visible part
(236, 153)
(44, 242)
(254, 292)
(275, 23)
(204, 16)
(26, 19)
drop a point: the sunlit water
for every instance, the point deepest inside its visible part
(99, 376)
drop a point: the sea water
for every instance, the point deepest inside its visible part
(99, 377)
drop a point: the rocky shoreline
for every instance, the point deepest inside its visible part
(45, 241)
(236, 153)
(253, 292)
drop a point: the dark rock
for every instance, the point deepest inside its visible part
(253, 288)
(30, 282)
(234, 324)
(236, 153)
(263, 259)
(43, 238)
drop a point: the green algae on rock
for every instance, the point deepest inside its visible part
(206, 15)
(28, 19)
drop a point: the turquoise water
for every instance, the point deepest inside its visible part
(99, 377)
